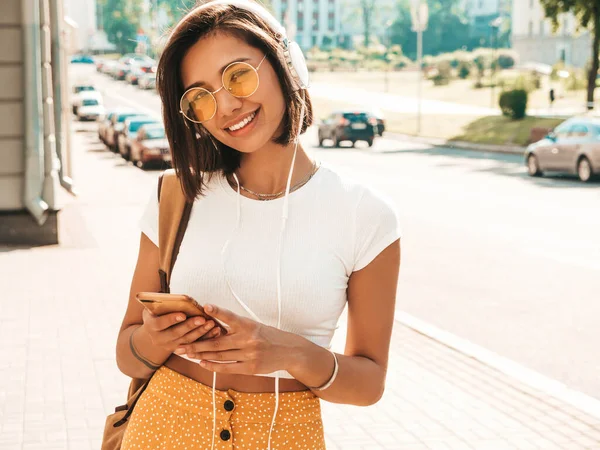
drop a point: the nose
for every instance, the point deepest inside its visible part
(227, 104)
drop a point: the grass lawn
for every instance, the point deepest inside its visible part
(504, 131)
(483, 130)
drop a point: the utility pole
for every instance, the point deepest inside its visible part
(420, 17)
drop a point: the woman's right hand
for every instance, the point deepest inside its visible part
(171, 330)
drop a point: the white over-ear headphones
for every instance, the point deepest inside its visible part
(293, 55)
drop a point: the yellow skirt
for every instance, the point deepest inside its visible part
(176, 413)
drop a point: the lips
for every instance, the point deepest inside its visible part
(239, 120)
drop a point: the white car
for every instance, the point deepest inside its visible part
(147, 81)
(91, 108)
(79, 91)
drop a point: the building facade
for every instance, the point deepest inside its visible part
(83, 13)
(535, 41)
(34, 120)
(309, 22)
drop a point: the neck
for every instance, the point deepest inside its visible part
(266, 171)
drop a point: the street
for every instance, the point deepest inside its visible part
(508, 262)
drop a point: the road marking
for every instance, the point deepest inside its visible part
(524, 375)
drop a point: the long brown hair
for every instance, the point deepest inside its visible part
(195, 153)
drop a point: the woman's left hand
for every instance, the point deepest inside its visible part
(257, 348)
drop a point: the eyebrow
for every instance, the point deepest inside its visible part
(203, 83)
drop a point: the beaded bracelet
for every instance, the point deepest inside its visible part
(333, 377)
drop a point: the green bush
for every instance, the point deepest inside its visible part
(514, 103)
(464, 71)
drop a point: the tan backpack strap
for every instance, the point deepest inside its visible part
(173, 216)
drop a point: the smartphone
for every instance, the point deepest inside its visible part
(159, 304)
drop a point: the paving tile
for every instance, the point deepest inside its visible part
(60, 379)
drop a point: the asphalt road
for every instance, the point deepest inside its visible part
(505, 261)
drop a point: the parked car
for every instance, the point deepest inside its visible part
(78, 89)
(380, 118)
(86, 95)
(82, 59)
(130, 129)
(111, 135)
(109, 67)
(135, 71)
(106, 123)
(147, 81)
(130, 61)
(91, 109)
(150, 146)
(573, 147)
(348, 126)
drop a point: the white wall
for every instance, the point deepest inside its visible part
(82, 12)
(533, 37)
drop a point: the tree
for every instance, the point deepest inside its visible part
(367, 8)
(588, 14)
(121, 21)
(448, 28)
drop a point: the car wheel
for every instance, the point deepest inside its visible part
(353, 143)
(336, 142)
(533, 167)
(127, 154)
(370, 142)
(320, 140)
(584, 170)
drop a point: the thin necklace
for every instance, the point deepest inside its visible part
(265, 197)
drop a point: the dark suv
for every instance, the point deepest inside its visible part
(348, 126)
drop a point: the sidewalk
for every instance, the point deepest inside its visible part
(62, 307)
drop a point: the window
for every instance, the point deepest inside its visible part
(331, 21)
(579, 130)
(89, 102)
(563, 130)
(315, 21)
(300, 20)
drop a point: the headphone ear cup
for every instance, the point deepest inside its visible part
(299, 65)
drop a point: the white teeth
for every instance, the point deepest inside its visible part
(243, 123)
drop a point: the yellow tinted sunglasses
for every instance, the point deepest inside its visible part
(239, 78)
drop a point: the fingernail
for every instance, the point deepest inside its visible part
(180, 318)
(198, 321)
(180, 351)
(209, 308)
(209, 325)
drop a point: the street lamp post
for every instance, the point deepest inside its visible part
(388, 41)
(420, 17)
(494, 26)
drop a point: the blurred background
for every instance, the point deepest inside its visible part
(477, 118)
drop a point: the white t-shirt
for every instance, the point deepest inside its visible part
(335, 226)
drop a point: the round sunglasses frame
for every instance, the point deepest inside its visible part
(212, 94)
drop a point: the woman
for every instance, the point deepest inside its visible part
(275, 247)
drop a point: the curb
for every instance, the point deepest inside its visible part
(529, 377)
(460, 145)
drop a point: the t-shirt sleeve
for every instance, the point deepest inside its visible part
(149, 221)
(377, 226)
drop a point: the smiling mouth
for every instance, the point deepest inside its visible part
(243, 123)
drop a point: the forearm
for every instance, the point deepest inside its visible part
(313, 366)
(137, 357)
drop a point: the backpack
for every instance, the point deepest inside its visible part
(173, 216)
